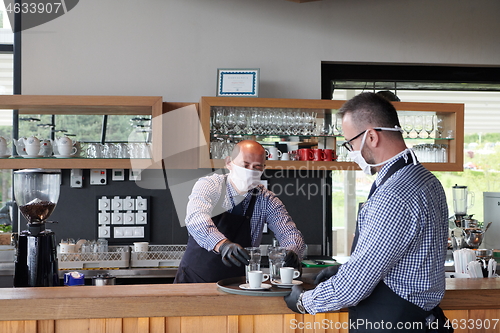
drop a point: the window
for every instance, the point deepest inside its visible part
(481, 98)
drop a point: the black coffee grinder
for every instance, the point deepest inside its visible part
(36, 193)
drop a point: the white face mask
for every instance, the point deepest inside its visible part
(356, 156)
(244, 179)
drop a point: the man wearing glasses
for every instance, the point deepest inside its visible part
(394, 279)
(226, 213)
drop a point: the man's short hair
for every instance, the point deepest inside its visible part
(370, 110)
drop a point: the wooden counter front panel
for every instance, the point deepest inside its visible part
(320, 323)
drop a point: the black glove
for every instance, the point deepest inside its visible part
(233, 254)
(326, 273)
(292, 298)
(292, 259)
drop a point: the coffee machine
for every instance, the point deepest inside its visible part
(36, 193)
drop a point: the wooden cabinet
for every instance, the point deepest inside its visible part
(87, 105)
(299, 123)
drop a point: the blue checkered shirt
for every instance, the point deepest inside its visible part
(403, 232)
(268, 209)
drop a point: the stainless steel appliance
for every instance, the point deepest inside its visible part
(465, 233)
(36, 193)
(491, 209)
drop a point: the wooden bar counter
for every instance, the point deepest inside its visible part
(203, 308)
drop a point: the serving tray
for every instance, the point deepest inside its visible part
(232, 286)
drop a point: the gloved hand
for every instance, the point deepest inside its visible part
(233, 254)
(292, 298)
(292, 260)
(326, 273)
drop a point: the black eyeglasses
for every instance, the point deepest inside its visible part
(347, 144)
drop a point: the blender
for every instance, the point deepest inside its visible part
(460, 203)
(36, 193)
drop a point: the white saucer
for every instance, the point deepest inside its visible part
(32, 156)
(263, 286)
(64, 156)
(286, 285)
(4, 156)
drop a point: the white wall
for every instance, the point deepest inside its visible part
(172, 48)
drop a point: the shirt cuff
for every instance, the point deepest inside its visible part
(307, 302)
(213, 239)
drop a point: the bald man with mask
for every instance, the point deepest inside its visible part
(227, 213)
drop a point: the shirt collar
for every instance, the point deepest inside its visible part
(385, 168)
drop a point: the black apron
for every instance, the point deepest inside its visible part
(384, 310)
(201, 266)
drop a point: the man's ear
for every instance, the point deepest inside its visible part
(373, 138)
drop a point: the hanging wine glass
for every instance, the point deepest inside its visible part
(408, 125)
(429, 125)
(418, 125)
(439, 126)
(230, 121)
(241, 122)
(338, 126)
(218, 119)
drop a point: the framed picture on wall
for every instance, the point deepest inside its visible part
(238, 82)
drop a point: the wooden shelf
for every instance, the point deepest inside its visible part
(88, 105)
(67, 104)
(77, 163)
(451, 113)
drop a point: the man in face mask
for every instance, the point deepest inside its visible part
(394, 279)
(227, 213)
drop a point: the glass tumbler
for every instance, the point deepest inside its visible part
(276, 261)
(254, 262)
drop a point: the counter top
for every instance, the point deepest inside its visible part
(173, 300)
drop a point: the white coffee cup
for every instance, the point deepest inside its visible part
(141, 246)
(287, 274)
(285, 157)
(32, 150)
(255, 279)
(66, 150)
(273, 153)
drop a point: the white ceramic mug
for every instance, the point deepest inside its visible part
(255, 279)
(141, 246)
(288, 274)
(273, 153)
(285, 157)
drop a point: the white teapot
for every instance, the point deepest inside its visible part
(64, 146)
(32, 146)
(27, 146)
(20, 145)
